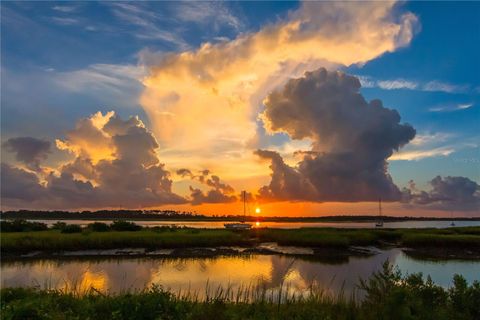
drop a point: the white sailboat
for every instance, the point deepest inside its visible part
(379, 223)
(242, 225)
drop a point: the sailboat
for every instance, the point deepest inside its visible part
(379, 223)
(451, 217)
(242, 225)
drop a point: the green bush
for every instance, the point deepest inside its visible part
(71, 228)
(98, 227)
(59, 225)
(19, 225)
(121, 225)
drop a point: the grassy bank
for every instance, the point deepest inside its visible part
(20, 237)
(388, 295)
(54, 240)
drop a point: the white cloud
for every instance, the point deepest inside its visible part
(207, 12)
(465, 106)
(64, 8)
(422, 154)
(147, 21)
(400, 83)
(65, 21)
(192, 98)
(444, 87)
(397, 84)
(428, 138)
(451, 107)
(366, 81)
(111, 77)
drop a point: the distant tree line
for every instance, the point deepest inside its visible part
(191, 216)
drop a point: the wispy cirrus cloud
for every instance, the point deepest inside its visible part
(410, 155)
(397, 84)
(451, 107)
(106, 83)
(428, 138)
(102, 76)
(432, 145)
(208, 12)
(147, 21)
(427, 145)
(445, 87)
(65, 21)
(404, 84)
(64, 8)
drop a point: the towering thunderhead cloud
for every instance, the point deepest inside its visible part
(351, 140)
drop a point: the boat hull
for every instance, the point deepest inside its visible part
(238, 226)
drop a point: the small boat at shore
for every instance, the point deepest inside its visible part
(238, 226)
(242, 225)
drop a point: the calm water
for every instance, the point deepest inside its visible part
(286, 225)
(195, 275)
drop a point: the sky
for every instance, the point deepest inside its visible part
(313, 108)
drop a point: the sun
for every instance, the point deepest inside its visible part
(257, 210)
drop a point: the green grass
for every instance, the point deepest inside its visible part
(54, 240)
(386, 295)
(164, 237)
(441, 240)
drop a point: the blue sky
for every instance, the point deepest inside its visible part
(52, 52)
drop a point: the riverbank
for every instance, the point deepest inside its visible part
(386, 295)
(447, 243)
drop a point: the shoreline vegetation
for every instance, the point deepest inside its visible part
(156, 215)
(387, 294)
(24, 239)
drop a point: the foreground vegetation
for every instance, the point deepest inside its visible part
(21, 236)
(386, 295)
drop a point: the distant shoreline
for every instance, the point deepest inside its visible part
(182, 216)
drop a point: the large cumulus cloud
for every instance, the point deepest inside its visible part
(351, 140)
(30, 151)
(115, 165)
(447, 193)
(216, 90)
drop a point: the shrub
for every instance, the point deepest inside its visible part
(59, 225)
(19, 225)
(99, 227)
(71, 228)
(121, 225)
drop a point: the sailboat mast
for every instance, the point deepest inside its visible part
(244, 203)
(380, 207)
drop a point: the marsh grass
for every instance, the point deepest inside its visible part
(387, 295)
(128, 235)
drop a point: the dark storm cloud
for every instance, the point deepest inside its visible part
(447, 193)
(351, 140)
(215, 183)
(184, 172)
(220, 192)
(19, 185)
(28, 150)
(130, 176)
(210, 196)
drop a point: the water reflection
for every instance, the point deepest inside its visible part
(194, 275)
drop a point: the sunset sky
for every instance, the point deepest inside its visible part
(313, 108)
